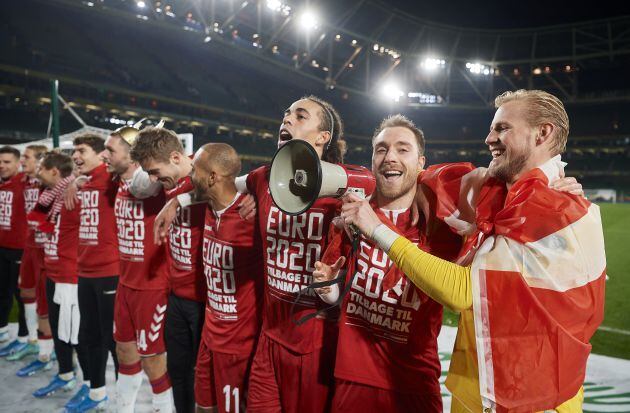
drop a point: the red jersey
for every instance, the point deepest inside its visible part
(388, 328)
(143, 264)
(186, 275)
(34, 238)
(233, 266)
(12, 212)
(60, 259)
(98, 244)
(292, 245)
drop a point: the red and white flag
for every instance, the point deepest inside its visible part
(538, 276)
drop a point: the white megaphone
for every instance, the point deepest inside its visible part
(298, 178)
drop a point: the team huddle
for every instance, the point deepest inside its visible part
(179, 267)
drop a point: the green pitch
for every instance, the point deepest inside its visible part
(613, 337)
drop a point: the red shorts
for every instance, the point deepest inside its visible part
(350, 396)
(31, 267)
(283, 381)
(221, 379)
(139, 316)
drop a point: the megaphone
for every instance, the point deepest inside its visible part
(298, 178)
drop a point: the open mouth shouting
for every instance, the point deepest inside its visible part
(391, 175)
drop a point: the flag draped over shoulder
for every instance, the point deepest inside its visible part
(538, 275)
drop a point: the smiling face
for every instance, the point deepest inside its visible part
(85, 158)
(511, 142)
(302, 120)
(396, 162)
(9, 165)
(168, 173)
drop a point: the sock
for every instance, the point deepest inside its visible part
(22, 339)
(46, 347)
(127, 386)
(86, 382)
(163, 402)
(4, 329)
(66, 376)
(30, 313)
(98, 394)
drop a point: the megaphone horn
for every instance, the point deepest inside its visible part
(298, 178)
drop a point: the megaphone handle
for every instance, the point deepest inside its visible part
(356, 233)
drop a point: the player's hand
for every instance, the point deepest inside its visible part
(164, 220)
(325, 272)
(570, 185)
(70, 198)
(247, 208)
(358, 212)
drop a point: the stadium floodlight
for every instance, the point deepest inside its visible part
(141, 4)
(277, 6)
(432, 64)
(308, 20)
(391, 91)
(478, 68)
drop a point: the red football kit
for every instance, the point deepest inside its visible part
(98, 242)
(293, 365)
(32, 267)
(61, 247)
(33, 256)
(142, 293)
(13, 212)
(233, 266)
(186, 275)
(387, 356)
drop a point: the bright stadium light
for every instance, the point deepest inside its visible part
(141, 4)
(478, 69)
(391, 91)
(277, 6)
(308, 20)
(432, 64)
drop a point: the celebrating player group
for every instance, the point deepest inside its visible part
(184, 268)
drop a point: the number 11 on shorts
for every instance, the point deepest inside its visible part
(235, 394)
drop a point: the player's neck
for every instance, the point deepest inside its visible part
(223, 196)
(402, 202)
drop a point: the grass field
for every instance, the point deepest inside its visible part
(613, 338)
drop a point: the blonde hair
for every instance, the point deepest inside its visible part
(542, 108)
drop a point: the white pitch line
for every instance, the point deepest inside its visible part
(614, 330)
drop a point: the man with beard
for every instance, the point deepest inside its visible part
(233, 266)
(293, 367)
(142, 294)
(531, 285)
(387, 358)
(161, 154)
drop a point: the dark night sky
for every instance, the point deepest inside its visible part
(506, 14)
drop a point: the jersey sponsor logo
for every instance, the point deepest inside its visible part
(387, 313)
(6, 209)
(294, 244)
(218, 265)
(131, 231)
(89, 218)
(180, 237)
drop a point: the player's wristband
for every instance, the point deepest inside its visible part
(384, 237)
